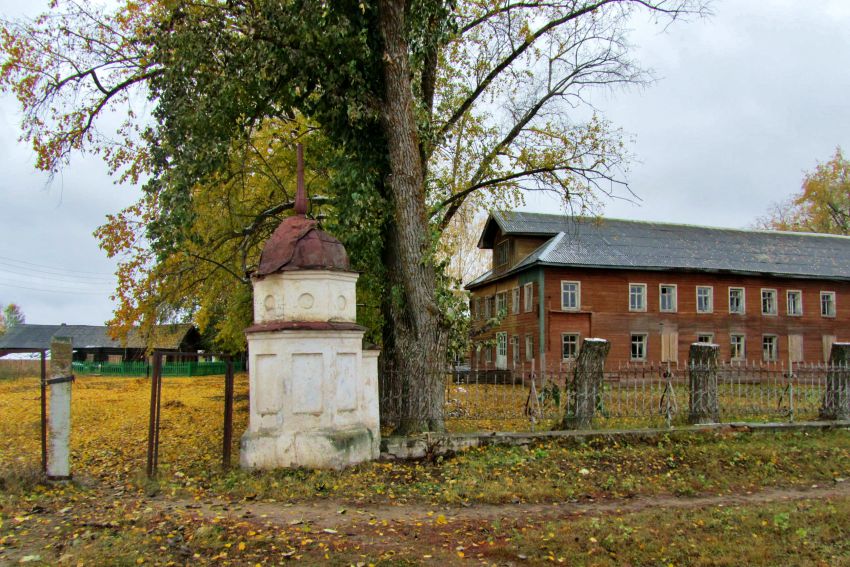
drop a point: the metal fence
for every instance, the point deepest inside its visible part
(629, 396)
(143, 368)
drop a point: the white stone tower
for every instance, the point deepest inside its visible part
(313, 389)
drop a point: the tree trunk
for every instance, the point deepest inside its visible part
(585, 392)
(702, 375)
(415, 349)
(836, 398)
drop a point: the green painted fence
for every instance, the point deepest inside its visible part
(144, 369)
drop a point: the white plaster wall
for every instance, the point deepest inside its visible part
(306, 295)
(369, 374)
(307, 380)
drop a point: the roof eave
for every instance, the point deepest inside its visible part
(519, 269)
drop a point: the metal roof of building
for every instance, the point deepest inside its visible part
(25, 336)
(624, 244)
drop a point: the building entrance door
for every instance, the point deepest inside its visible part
(501, 351)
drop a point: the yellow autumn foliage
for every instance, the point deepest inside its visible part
(109, 424)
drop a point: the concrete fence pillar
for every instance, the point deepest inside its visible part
(585, 392)
(59, 424)
(702, 379)
(836, 398)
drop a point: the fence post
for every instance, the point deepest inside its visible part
(43, 368)
(58, 463)
(836, 398)
(586, 389)
(153, 424)
(702, 379)
(228, 414)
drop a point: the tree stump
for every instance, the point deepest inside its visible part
(585, 391)
(702, 379)
(836, 398)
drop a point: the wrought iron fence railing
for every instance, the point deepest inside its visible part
(644, 395)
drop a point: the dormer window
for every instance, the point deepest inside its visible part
(502, 253)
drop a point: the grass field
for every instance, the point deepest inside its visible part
(686, 499)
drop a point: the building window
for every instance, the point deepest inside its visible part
(667, 298)
(502, 253)
(638, 346)
(515, 349)
(795, 302)
(637, 297)
(768, 302)
(502, 304)
(515, 301)
(770, 347)
(707, 338)
(827, 303)
(529, 347)
(570, 296)
(736, 300)
(488, 354)
(569, 345)
(705, 299)
(738, 346)
(528, 291)
(489, 301)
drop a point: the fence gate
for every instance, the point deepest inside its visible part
(156, 404)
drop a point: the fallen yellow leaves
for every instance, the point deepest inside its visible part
(110, 425)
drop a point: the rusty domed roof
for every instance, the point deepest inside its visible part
(298, 244)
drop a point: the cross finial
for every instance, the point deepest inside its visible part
(300, 194)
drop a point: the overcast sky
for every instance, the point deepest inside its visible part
(746, 102)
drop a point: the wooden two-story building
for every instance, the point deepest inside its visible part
(652, 289)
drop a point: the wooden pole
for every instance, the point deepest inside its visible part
(228, 414)
(44, 412)
(153, 434)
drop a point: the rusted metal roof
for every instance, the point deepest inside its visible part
(298, 244)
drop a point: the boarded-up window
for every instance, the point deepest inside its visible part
(795, 348)
(669, 346)
(115, 358)
(827, 346)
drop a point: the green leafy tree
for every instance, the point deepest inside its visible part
(11, 316)
(822, 205)
(431, 106)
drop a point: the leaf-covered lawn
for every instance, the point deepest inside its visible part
(197, 513)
